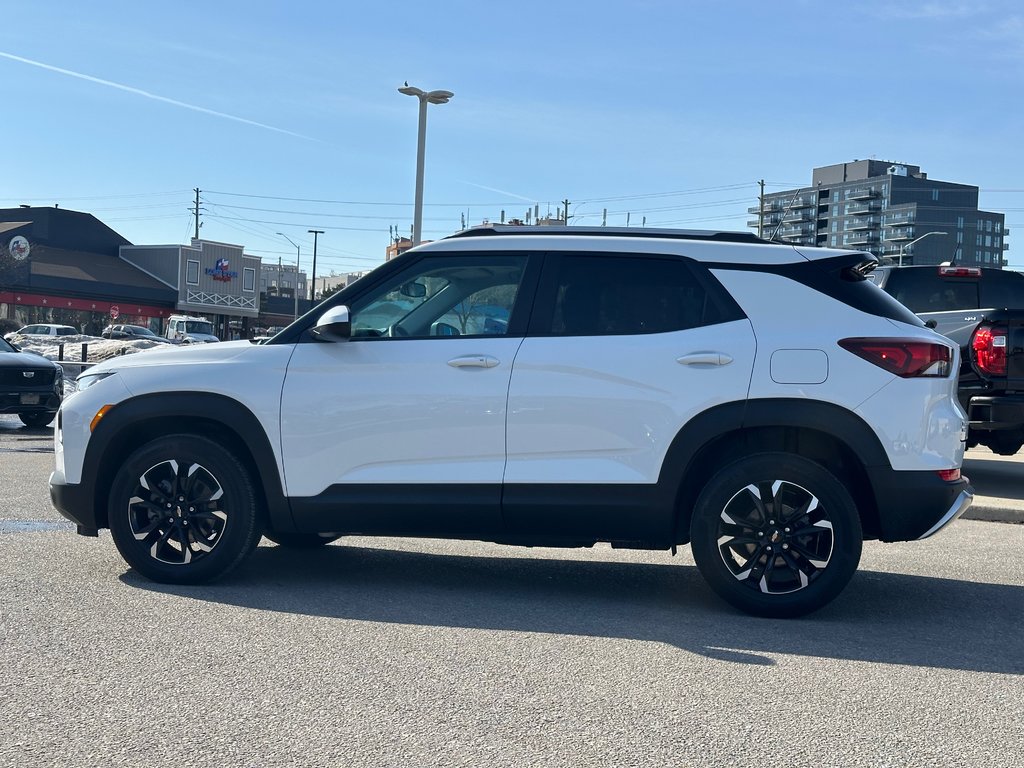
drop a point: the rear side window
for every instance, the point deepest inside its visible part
(1002, 290)
(923, 290)
(620, 295)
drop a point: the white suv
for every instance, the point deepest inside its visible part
(559, 387)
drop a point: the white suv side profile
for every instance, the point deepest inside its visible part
(765, 403)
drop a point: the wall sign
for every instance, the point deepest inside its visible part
(19, 248)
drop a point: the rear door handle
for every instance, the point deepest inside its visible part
(473, 361)
(705, 358)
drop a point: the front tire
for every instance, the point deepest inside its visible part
(37, 418)
(776, 535)
(182, 510)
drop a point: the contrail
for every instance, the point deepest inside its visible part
(148, 95)
(501, 192)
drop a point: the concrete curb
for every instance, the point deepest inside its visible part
(994, 511)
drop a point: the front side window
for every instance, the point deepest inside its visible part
(443, 296)
(615, 295)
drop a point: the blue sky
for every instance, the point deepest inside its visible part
(288, 118)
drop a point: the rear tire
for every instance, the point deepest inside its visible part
(776, 535)
(1004, 443)
(182, 510)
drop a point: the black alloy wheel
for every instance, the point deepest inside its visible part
(776, 535)
(183, 510)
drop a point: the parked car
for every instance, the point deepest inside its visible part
(132, 332)
(762, 402)
(956, 300)
(30, 385)
(44, 329)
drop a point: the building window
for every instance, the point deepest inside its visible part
(191, 272)
(935, 194)
(960, 222)
(959, 237)
(988, 225)
(248, 279)
(999, 226)
(835, 228)
(835, 196)
(833, 239)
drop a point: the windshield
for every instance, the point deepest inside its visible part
(138, 330)
(199, 326)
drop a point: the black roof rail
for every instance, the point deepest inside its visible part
(669, 234)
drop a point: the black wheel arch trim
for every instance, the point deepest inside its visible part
(221, 411)
(740, 419)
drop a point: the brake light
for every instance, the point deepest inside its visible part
(989, 345)
(907, 358)
(949, 474)
(959, 271)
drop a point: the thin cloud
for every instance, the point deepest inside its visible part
(155, 97)
(931, 10)
(501, 192)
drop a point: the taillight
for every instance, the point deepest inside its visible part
(989, 345)
(907, 358)
(949, 475)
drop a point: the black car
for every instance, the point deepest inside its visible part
(129, 332)
(30, 385)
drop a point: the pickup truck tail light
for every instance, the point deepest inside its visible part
(907, 358)
(989, 346)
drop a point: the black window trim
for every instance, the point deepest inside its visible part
(544, 304)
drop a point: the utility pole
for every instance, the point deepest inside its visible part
(312, 283)
(760, 215)
(197, 212)
(565, 209)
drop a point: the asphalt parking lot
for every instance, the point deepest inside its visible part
(424, 652)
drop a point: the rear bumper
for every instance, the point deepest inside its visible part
(915, 505)
(996, 412)
(75, 502)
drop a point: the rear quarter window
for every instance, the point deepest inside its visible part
(1002, 290)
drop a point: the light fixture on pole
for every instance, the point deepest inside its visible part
(425, 97)
(295, 290)
(904, 246)
(312, 279)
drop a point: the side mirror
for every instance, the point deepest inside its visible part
(414, 290)
(931, 323)
(334, 325)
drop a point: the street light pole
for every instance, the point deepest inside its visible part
(312, 281)
(425, 97)
(295, 290)
(904, 246)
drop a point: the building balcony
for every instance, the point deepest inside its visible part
(862, 209)
(863, 238)
(794, 217)
(857, 224)
(862, 193)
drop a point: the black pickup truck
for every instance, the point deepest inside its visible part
(997, 357)
(982, 309)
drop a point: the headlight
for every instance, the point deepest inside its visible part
(86, 380)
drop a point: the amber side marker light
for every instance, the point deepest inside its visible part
(99, 415)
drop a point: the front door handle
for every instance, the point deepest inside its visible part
(705, 358)
(473, 361)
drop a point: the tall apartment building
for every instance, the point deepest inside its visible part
(890, 209)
